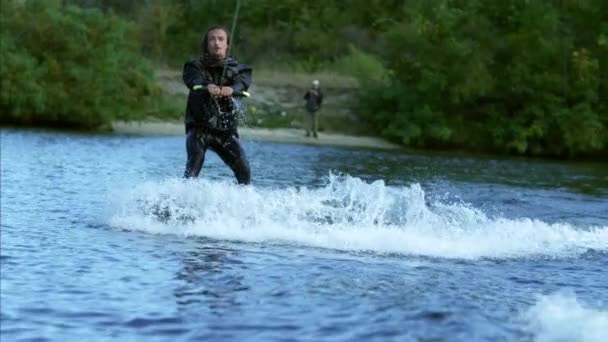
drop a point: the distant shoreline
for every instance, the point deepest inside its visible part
(281, 135)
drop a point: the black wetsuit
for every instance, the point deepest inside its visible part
(203, 129)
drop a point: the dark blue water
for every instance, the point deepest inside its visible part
(326, 244)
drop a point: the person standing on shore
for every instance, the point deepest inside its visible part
(212, 111)
(314, 99)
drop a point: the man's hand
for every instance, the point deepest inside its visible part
(219, 91)
(213, 90)
(226, 91)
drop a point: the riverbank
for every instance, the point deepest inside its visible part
(276, 109)
(281, 135)
(277, 100)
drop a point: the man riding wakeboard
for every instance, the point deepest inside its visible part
(216, 81)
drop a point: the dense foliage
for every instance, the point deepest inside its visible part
(70, 67)
(526, 77)
(515, 76)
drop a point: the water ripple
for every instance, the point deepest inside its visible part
(400, 247)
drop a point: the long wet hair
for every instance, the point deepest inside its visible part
(204, 44)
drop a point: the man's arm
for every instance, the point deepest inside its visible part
(244, 79)
(192, 76)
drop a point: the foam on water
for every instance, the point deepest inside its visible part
(561, 317)
(347, 214)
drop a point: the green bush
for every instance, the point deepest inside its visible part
(522, 77)
(70, 67)
(363, 66)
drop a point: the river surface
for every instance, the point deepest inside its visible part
(102, 240)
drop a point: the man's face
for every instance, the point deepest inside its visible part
(217, 43)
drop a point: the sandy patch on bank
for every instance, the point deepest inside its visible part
(281, 135)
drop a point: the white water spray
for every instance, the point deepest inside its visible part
(346, 214)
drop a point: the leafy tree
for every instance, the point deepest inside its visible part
(516, 76)
(67, 66)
